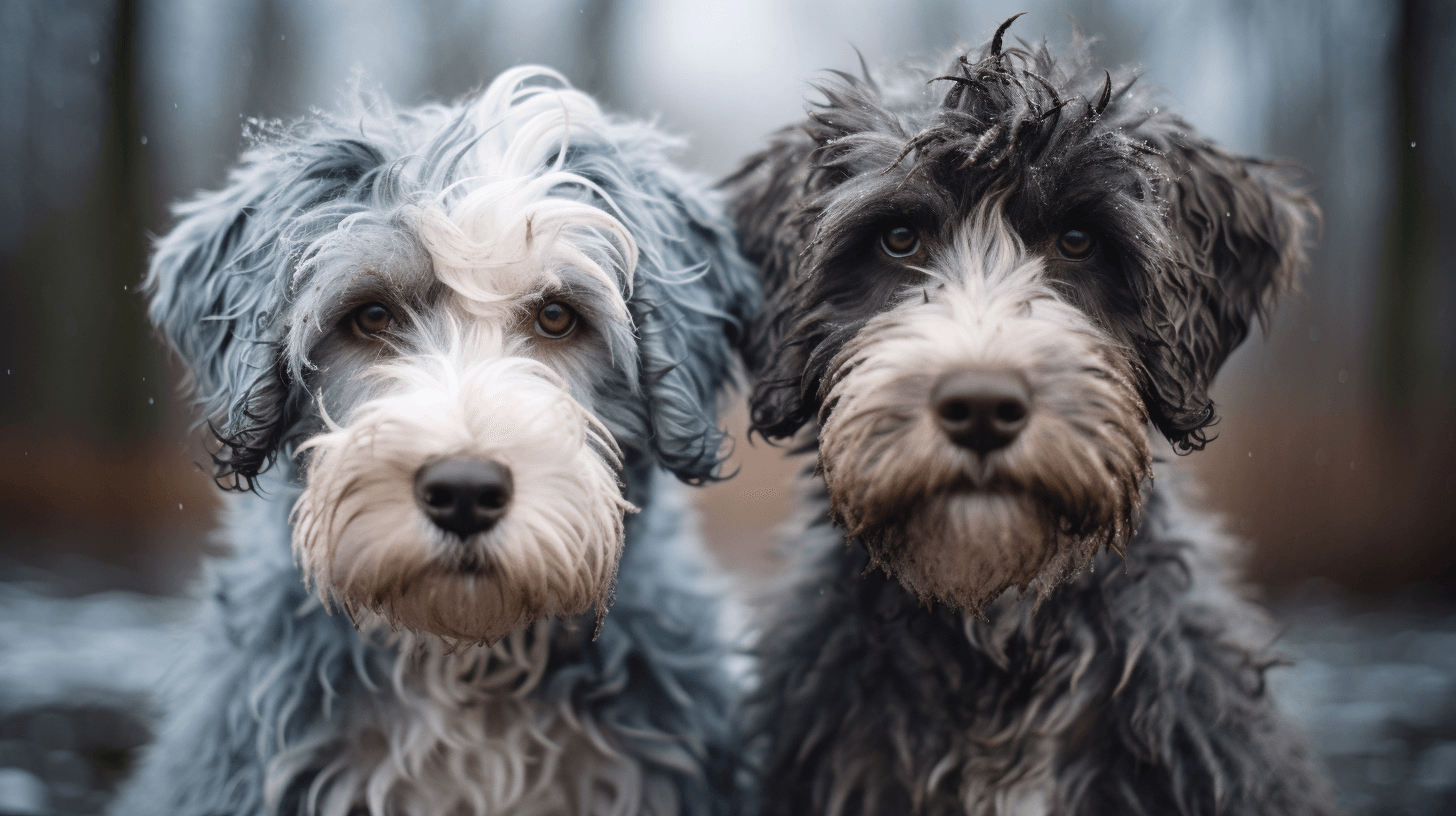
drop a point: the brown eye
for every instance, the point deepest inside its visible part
(555, 320)
(900, 241)
(1075, 245)
(372, 318)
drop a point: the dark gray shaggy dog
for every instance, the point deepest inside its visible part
(470, 339)
(981, 284)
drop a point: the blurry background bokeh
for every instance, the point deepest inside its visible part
(1336, 454)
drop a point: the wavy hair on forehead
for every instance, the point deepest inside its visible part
(508, 216)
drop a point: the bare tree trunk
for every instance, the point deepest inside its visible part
(1399, 326)
(125, 354)
(274, 67)
(81, 262)
(596, 39)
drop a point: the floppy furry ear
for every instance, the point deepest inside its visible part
(766, 192)
(217, 284)
(1239, 227)
(692, 296)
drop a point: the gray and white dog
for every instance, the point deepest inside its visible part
(981, 286)
(469, 339)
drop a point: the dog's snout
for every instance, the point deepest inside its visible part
(463, 496)
(981, 410)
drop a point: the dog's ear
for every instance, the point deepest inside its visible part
(1240, 228)
(217, 287)
(692, 297)
(691, 304)
(766, 194)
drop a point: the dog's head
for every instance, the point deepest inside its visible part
(982, 283)
(470, 325)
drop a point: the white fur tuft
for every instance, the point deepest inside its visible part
(510, 222)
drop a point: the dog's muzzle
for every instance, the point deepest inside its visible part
(470, 497)
(985, 437)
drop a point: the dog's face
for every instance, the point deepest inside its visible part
(983, 294)
(470, 325)
(464, 483)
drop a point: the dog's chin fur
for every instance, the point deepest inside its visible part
(364, 545)
(964, 549)
(953, 525)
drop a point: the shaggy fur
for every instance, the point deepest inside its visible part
(1028, 627)
(366, 297)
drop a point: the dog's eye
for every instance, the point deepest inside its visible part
(900, 241)
(555, 320)
(372, 318)
(1076, 245)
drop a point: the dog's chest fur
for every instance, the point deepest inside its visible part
(1088, 703)
(293, 711)
(468, 733)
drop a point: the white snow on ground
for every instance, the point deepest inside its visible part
(1376, 691)
(94, 649)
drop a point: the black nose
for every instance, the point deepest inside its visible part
(981, 410)
(463, 496)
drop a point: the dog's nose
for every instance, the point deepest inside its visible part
(463, 496)
(981, 410)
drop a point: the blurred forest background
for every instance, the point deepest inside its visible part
(1336, 455)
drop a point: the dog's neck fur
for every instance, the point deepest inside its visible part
(325, 719)
(1037, 708)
